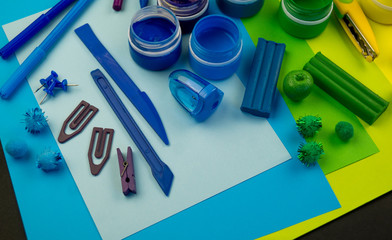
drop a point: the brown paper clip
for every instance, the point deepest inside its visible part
(84, 109)
(100, 147)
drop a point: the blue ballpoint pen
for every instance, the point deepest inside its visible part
(33, 28)
(40, 52)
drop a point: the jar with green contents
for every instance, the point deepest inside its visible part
(304, 18)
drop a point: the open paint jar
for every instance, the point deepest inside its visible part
(304, 18)
(155, 38)
(378, 10)
(240, 8)
(215, 47)
(188, 12)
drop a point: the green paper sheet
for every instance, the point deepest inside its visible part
(338, 154)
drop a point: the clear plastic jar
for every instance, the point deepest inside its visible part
(155, 38)
(378, 10)
(188, 12)
(304, 18)
(215, 47)
(240, 8)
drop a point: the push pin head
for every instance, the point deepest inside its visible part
(63, 84)
(45, 82)
(52, 82)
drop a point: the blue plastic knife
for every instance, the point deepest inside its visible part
(138, 98)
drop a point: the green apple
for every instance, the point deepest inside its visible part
(297, 84)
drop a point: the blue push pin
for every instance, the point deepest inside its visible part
(51, 82)
(45, 82)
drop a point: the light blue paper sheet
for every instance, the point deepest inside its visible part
(274, 187)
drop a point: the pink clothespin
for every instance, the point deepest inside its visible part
(127, 172)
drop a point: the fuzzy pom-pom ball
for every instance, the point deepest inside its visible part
(35, 120)
(309, 125)
(17, 148)
(310, 152)
(344, 130)
(49, 160)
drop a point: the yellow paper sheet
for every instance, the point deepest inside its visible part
(369, 178)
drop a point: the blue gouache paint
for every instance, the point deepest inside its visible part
(155, 38)
(216, 39)
(154, 29)
(215, 47)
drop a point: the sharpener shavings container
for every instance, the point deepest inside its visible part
(188, 12)
(215, 47)
(240, 8)
(155, 38)
(304, 18)
(197, 96)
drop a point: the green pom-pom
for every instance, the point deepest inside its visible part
(308, 126)
(344, 130)
(310, 152)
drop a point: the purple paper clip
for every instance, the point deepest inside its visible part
(127, 172)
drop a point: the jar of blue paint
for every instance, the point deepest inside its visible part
(215, 47)
(188, 12)
(155, 38)
(240, 8)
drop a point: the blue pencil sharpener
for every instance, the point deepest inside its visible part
(196, 95)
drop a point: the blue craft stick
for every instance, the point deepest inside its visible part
(33, 28)
(37, 56)
(139, 99)
(261, 86)
(161, 172)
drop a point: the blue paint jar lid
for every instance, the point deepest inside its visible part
(215, 41)
(155, 45)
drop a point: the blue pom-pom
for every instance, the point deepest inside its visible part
(49, 160)
(35, 120)
(17, 148)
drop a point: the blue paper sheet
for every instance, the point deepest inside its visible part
(280, 197)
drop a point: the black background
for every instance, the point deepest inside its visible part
(371, 221)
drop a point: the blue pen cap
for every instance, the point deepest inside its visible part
(199, 97)
(215, 47)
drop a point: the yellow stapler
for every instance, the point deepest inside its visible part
(357, 27)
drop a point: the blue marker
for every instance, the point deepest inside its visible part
(33, 28)
(40, 52)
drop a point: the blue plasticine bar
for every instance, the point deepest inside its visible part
(261, 86)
